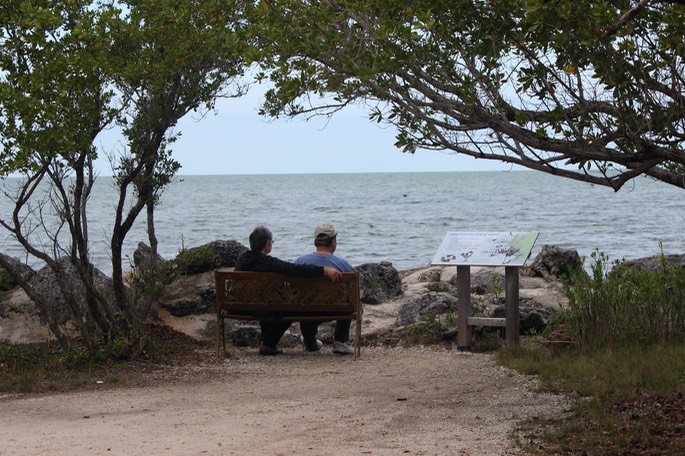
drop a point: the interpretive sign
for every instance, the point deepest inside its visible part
(485, 249)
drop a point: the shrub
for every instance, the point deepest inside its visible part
(625, 305)
(431, 329)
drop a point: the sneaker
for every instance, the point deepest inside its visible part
(312, 348)
(342, 348)
(265, 350)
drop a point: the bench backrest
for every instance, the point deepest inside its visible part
(246, 291)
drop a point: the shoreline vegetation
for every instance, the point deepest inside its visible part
(620, 360)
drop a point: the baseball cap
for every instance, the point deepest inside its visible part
(325, 230)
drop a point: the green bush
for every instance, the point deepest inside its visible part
(625, 305)
(430, 330)
(188, 259)
(437, 287)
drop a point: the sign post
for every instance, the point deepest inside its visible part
(466, 249)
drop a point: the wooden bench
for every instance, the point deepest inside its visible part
(267, 296)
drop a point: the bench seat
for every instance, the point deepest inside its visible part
(268, 296)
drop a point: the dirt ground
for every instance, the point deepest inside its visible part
(415, 401)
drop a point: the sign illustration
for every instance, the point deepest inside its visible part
(485, 249)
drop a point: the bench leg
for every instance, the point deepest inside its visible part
(217, 336)
(223, 337)
(358, 336)
(220, 338)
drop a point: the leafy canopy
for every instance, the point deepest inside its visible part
(583, 89)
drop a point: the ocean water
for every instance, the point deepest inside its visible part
(398, 217)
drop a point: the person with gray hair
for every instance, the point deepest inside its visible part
(258, 259)
(326, 242)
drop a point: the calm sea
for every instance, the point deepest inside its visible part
(399, 217)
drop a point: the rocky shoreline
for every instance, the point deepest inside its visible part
(394, 301)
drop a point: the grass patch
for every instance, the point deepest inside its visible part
(38, 368)
(44, 368)
(629, 401)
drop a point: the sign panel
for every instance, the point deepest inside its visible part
(485, 249)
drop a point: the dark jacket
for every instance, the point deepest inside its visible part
(258, 262)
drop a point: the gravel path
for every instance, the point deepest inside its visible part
(416, 401)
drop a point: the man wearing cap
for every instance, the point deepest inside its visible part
(326, 241)
(258, 259)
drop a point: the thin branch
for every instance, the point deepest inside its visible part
(623, 20)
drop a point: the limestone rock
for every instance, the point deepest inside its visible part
(45, 283)
(553, 261)
(22, 321)
(207, 257)
(531, 319)
(429, 304)
(485, 280)
(143, 255)
(190, 295)
(379, 282)
(653, 263)
(246, 335)
(24, 270)
(19, 319)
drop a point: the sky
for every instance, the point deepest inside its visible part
(235, 139)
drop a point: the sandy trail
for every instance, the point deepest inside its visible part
(420, 401)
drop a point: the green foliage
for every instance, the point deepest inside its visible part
(153, 281)
(627, 368)
(53, 81)
(437, 287)
(68, 71)
(55, 98)
(479, 306)
(531, 82)
(187, 258)
(430, 330)
(626, 305)
(373, 284)
(493, 297)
